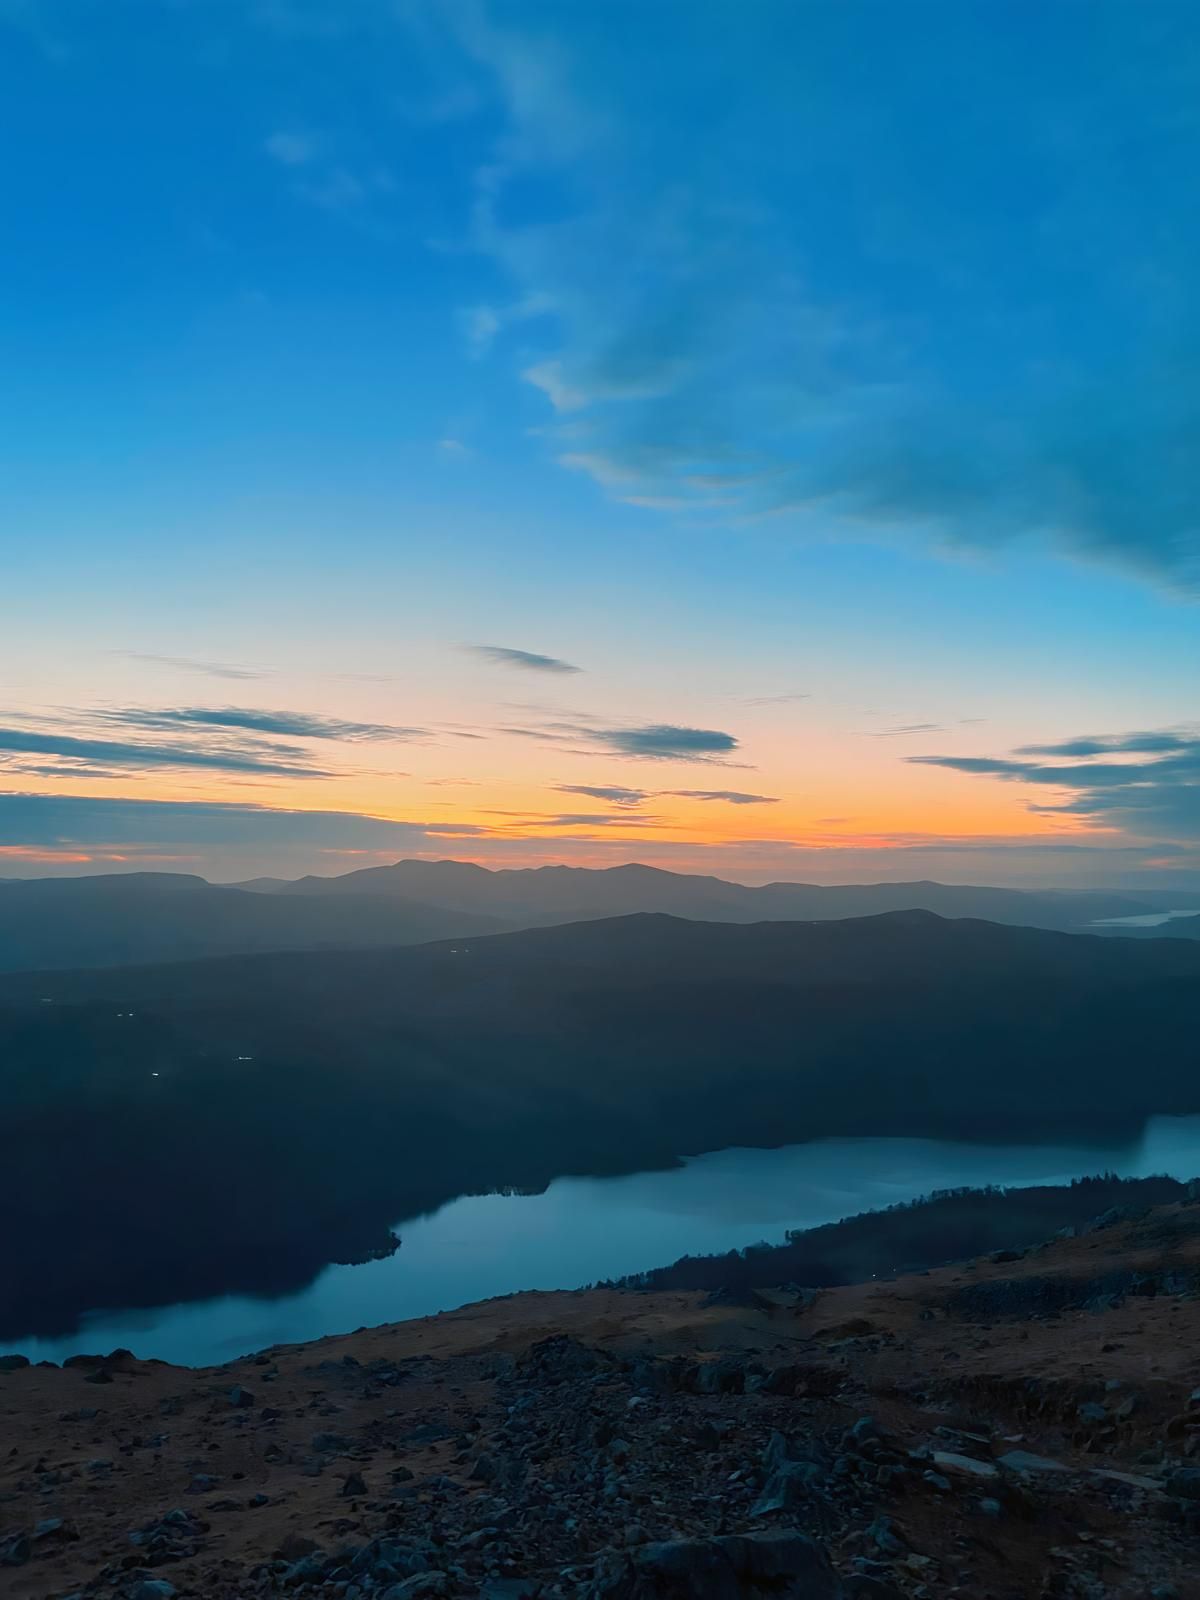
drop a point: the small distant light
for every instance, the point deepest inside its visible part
(154, 1074)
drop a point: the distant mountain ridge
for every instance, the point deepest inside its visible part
(129, 918)
(576, 893)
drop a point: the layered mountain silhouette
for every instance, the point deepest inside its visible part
(237, 1123)
(120, 918)
(116, 919)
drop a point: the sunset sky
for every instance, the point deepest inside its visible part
(759, 439)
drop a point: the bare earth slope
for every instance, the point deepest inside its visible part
(1018, 1427)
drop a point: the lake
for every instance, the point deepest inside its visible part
(584, 1229)
(1148, 919)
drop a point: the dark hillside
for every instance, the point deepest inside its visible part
(208, 1116)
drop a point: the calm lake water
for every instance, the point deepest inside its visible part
(1149, 919)
(582, 1229)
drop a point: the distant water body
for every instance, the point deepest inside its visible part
(1149, 919)
(583, 1229)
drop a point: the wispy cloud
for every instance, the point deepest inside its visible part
(287, 724)
(735, 368)
(262, 758)
(662, 741)
(630, 799)
(615, 794)
(290, 149)
(1105, 784)
(96, 820)
(594, 819)
(319, 177)
(208, 669)
(1117, 744)
(656, 741)
(526, 660)
(733, 797)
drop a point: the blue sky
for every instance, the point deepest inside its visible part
(819, 378)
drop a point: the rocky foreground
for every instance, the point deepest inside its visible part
(1028, 1425)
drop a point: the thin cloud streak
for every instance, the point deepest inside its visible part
(526, 660)
(613, 793)
(662, 741)
(208, 669)
(275, 761)
(733, 797)
(290, 724)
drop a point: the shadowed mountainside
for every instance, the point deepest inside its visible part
(124, 918)
(118, 919)
(214, 1121)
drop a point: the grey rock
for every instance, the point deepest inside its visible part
(424, 1584)
(15, 1552)
(331, 1443)
(883, 1535)
(787, 1488)
(309, 1569)
(724, 1376)
(951, 1461)
(54, 1527)
(785, 1563)
(1024, 1461)
(294, 1546)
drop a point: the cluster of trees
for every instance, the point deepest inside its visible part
(948, 1225)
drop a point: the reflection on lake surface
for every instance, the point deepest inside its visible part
(582, 1229)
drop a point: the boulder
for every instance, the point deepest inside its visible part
(731, 1567)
